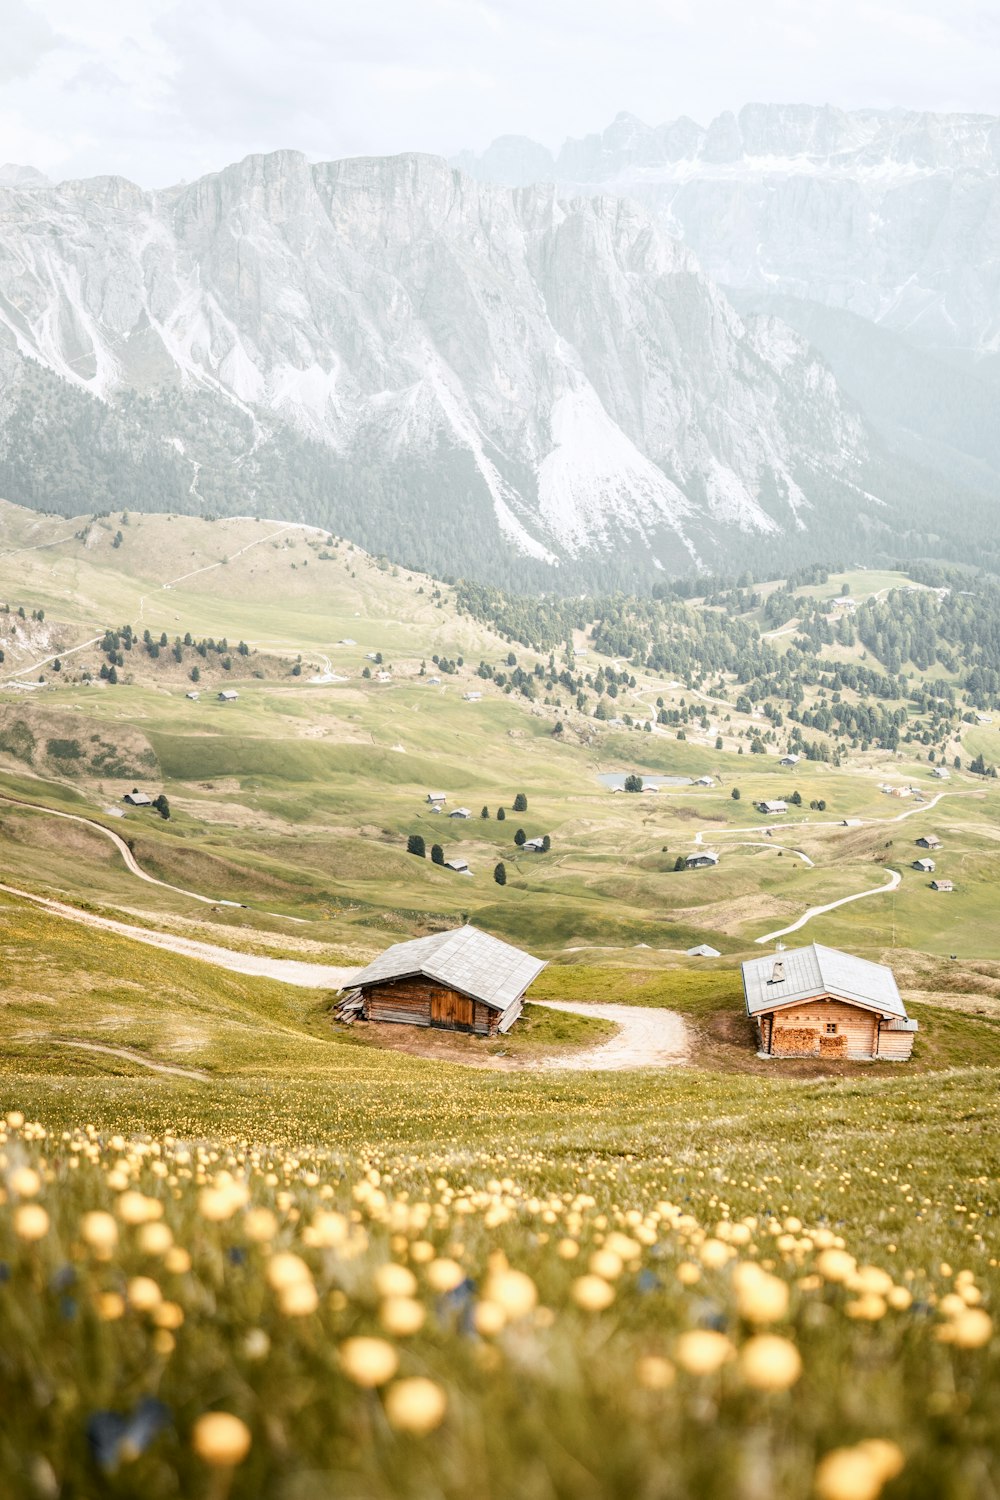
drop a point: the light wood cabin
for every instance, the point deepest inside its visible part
(818, 1002)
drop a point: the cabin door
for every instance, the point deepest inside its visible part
(454, 1011)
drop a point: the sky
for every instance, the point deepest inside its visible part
(162, 91)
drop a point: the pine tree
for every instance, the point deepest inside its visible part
(500, 875)
(500, 815)
(415, 845)
(485, 813)
(520, 837)
(520, 803)
(437, 854)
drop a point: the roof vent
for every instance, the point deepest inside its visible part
(779, 972)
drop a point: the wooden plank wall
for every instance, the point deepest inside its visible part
(420, 1002)
(799, 1029)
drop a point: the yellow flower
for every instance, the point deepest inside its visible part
(592, 1293)
(260, 1225)
(31, 1222)
(515, 1292)
(714, 1254)
(14, 1119)
(489, 1318)
(136, 1208)
(416, 1406)
(654, 1373)
(402, 1316)
(607, 1264)
(770, 1363)
(368, 1362)
(25, 1182)
(868, 1308)
(394, 1281)
(702, 1351)
(99, 1230)
(899, 1298)
(688, 1273)
(286, 1269)
(297, 1299)
(144, 1294)
(567, 1249)
(836, 1265)
(857, 1473)
(168, 1315)
(221, 1439)
(445, 1275)
(110, 1306)
(177, 1260)
(969, 1329)
(154, 1239)
(220, 1203)
(760, 1297)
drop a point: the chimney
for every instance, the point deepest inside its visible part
(779, 972)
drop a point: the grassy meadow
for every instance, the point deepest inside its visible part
(246, 1251)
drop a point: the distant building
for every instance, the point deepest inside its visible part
(434, 681)
(705, 781)
(773, 807)
(460, 812)
(437, 796)
(925, 866)
(702, 859)
(928, 841)
(789, 760)
(193, 696)
(819, 1002)
(472, 697)
(137, 799)
(460, 866)
(464, 980)
(703, 950)
(228, 695)
(942, 885)
(383, 676)
(942, 773)
(533, 846)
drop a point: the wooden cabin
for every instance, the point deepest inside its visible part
(819, 1002)
(463, 980)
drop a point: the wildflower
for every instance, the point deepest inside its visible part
(714, 1254)
(836, 1265)
(868, 1308)
(25, 1182)
(31, 1222)
(154, 1239)
(220, 1203)
(99, 1231)
(14, 1119)
(489, 1318)
(220, 1439)
(592, 1293)
(654, 1373)
(760, 1297)
(177, 1260)
(515, 1292)
(402, 1316)
(136, 1208)
(444, 1275)
(368, 1362)
(115, 1439)
(688, 1274)
(110, 1306)
(256, 1344)
(770, 1363)
(969, 1329)
(416, 1405)
(144, 1294)
(858, 1473)
(260, 1225)
(395, 1281)
(702, 1351)
(286, 1269)
(567, 1249)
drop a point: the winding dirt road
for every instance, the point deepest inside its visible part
(647, 1037)
(817, 911)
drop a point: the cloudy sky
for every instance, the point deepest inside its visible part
(164, 90)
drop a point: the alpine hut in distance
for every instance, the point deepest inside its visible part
(819, 1002)
(463, 980)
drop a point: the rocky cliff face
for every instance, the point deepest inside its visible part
(333, 341)
(890, 215)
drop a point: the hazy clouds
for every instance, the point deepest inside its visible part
(164, 89)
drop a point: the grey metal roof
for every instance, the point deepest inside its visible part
(820, 971)
(467, 960)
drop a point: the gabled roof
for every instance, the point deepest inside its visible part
(467, 960)
(814, 971)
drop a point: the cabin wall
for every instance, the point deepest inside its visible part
(801, 1030)
(421, 1002)
(895, 1046)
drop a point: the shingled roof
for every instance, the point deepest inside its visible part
(814, 971)
(466, 960)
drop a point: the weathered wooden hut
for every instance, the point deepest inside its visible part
(819, 1002)
(463, 980)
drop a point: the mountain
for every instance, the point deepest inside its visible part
(892, 215)
(467, 377)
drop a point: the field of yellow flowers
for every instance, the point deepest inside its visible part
(434, 1283)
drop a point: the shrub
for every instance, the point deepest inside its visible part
(415, 845)
(520, 837)
(735, 794)
(500, 874)
(437, 854)
(633, 783)
(520, 803)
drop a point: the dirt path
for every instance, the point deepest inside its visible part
(646, 1038)
(129, 859)
(287, 970)
(128, 1054)
(817, 911)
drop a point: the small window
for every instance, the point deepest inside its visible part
(831, 1028)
